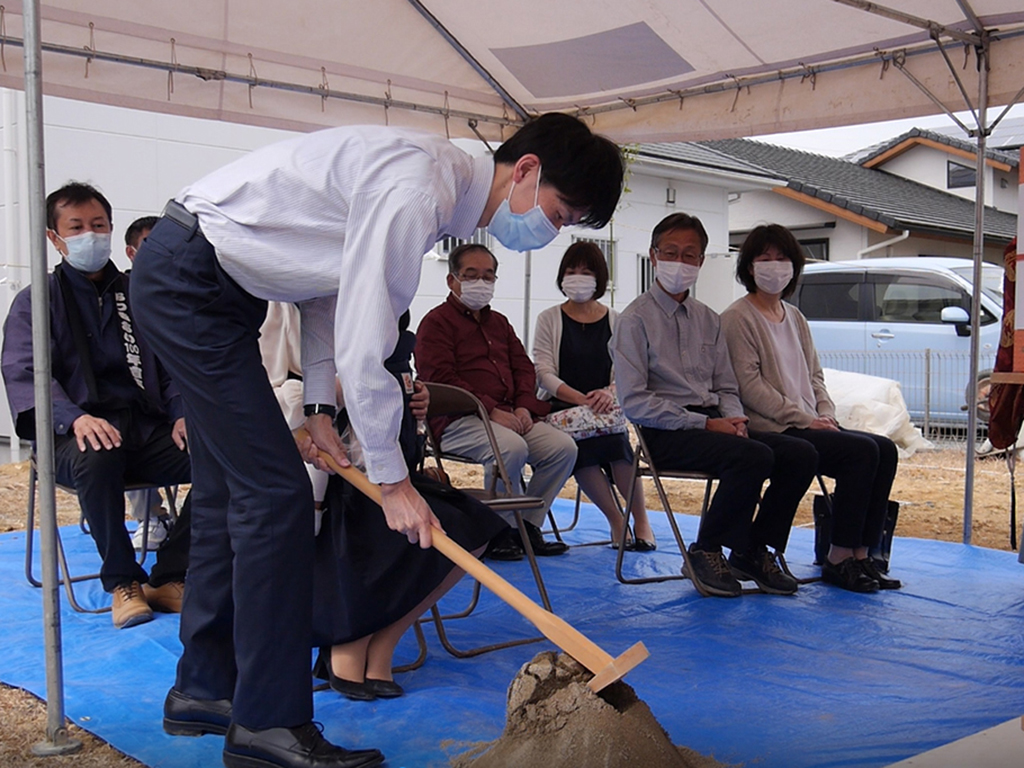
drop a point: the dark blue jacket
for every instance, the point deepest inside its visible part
(117, 398)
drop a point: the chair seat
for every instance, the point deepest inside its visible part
(500, 503)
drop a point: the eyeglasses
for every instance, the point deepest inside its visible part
(487, 277)
(671, 254)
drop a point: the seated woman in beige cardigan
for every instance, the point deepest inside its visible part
(782, 389)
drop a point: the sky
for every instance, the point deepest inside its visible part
(837, 142)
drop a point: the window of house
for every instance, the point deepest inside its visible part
(816, 248)
(447, 244)
(644, 272)
(607, 248)
(958, 176)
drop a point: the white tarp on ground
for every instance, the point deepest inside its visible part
(643, 70)
(873, 404)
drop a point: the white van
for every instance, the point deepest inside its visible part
(907, 319)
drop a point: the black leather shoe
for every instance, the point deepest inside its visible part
(384, 689)
(849, 575)
(762, 567)
(543, 548)
(186, 716)
(871, 569)
(301, 747)
(347, 688)
(505, 546)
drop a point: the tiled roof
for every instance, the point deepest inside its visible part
(892, 200)
(689, 153)
(869, 153)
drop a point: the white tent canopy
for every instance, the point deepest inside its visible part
(639, 70)
(643, 71)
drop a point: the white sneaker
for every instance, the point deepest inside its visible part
(159, 528)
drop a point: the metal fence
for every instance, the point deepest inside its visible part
(934, 384)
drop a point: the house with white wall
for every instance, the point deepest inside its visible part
(141, 159)
(840, 209)
(948, 163)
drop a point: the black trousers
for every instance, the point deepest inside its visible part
(246, 623)
(864, 467)
(741, 465)
(99, 478)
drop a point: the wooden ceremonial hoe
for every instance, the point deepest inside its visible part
(606, 669)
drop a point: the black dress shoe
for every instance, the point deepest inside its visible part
(186, 716)
(543, 548)
(384, 689)
(849, 575)
(505, 546)
(347, 688)
(301, 747)
(871, 569)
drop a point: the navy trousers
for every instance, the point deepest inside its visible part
(246, 623)
(864, 467)
(99, 477)
(742, 464)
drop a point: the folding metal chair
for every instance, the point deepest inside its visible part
(644, 467)
(67, 579)
(452, 401)
(559, 530)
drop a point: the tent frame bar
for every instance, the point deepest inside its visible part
(933, 27)
(730, 83)
(252, 81)
(470, 59)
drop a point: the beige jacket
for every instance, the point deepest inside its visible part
(757, 370)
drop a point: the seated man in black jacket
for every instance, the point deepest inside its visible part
(116, 416)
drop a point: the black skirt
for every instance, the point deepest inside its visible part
(603, 450)
(366, 576)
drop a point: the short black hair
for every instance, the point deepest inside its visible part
(586, 169)
(456, 254)
(74, 193)
(133, 234)
(676, 221)
(759, 240)
(585, 254)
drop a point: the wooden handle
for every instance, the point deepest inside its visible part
(557, 630)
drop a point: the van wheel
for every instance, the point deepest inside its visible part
(984, 388)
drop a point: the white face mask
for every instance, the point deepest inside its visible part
(522, 231)
(676, 276)
(579, 288)
(88, 252)
(772, 276)
(476, 294)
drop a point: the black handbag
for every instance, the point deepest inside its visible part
(822, 509)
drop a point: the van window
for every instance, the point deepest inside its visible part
(906, 299)
(829, 297)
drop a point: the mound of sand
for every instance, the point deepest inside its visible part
(554, 719)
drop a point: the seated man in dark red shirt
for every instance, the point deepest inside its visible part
(465, 343)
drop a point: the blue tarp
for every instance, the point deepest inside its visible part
(825, 678)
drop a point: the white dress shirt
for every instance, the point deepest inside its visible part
(338, 221)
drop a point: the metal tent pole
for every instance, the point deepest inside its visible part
(979, 254)
(527, 290)
(57, 739)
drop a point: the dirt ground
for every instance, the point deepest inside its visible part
(929, 487)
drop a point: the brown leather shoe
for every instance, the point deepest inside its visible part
(130, 607)
(166, 598)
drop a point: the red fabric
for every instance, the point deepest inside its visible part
(1006, 401)
(483, 356)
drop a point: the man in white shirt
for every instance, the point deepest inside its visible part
(337, 221)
